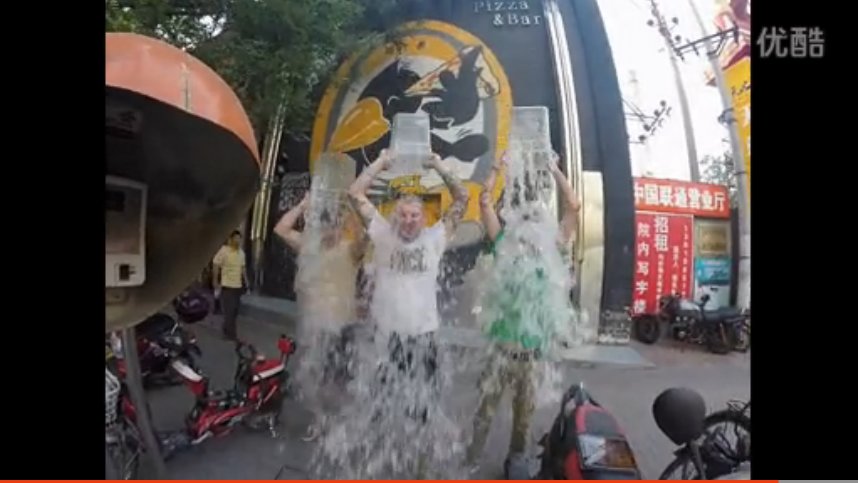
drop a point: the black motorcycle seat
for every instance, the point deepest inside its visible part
(722, 314)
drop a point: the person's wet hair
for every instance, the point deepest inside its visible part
(408, 198)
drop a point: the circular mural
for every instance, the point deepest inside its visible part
(436, 68)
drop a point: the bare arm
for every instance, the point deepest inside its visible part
(488, 214)
(454, 214)
(216, 265)
(358, 189)
(358, 248)
(285, 228)
(216, 277)
(570, 204)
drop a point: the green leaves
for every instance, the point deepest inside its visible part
(269, 51)
(720, 170)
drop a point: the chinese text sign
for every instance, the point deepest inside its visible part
(738, 78)
(681, 197)
(663, 258)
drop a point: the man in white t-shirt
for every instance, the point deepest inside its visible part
(407, 259)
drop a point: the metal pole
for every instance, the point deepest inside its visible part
(645, 167)
(568, 113)
(259, 223)
(134, 381)
(743, 298)
(691, 146)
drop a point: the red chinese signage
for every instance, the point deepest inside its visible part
(662, 258)
(681, 197)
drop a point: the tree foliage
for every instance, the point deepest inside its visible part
(271, 52)
(720, 170)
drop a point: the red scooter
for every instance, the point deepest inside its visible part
(160, 339)
(584, 443)
(255, 399)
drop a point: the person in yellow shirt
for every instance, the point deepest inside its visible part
(230, 280)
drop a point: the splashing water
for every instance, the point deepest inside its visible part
(325, 283)
(391, 422)
(390, 419)
(384, 416)
(524, 302)
(394, 425)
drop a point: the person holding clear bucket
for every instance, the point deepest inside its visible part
(406, 261)
(523, 309)
(326, 287)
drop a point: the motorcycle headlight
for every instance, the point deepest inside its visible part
(599, 452)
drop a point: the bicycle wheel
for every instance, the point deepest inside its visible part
(740, 337)
(729, 432)
(122, 459)
(717, 340)
(681, 468)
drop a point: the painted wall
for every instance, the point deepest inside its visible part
(466, 63)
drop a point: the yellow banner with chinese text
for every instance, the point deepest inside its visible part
(738, 77)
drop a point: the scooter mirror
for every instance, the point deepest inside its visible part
(680, 414)
(174, 126)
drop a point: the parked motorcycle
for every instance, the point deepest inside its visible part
(585, 442)
(719, 330)
(255, 399)
(160, 339)
(681, 415)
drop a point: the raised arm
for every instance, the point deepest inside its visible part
(285, 228)
(358, 189)
(489, 215)
(569, 202)
(358, 248)
(456, 211)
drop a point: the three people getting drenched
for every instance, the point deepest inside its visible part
(405, 260)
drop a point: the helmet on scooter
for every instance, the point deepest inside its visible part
(680, 413)
(191, 306)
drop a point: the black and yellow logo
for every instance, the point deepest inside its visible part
(436, 68)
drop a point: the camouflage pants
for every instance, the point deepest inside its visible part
(506, 369)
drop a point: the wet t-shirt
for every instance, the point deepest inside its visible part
(326, 294)
(406, 273)
(522, 319)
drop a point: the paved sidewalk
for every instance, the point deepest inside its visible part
(626, 392)
(284, 312)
